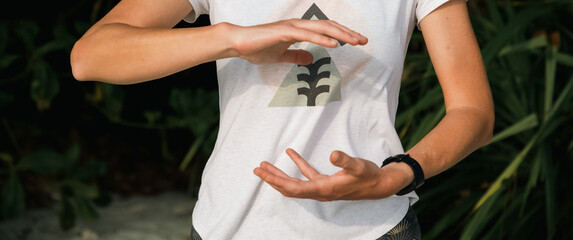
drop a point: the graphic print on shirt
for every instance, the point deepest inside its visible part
(316, 84)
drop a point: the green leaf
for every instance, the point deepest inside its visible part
(49, 47)
(191, 152)
(565, 95)
(5, 98)
(550, 172)
(524, 124)
(78, 188)
(81, 27)
(209, 143)
(481, 217)
(429, 99)
(550, 69)
(104, 199)
(536, 42)
(89, 170)
(67, 215)
(27, 31)
(509, 170)
(13, 198)
(7, 59)
(112, 99)
(494, 12)
(43, 161)
(197, 109)
(45, 85)
(7, 159)
(426, 125)
(564, 59)
(511, 29)
(85, 209)
(448, 219)
(152, 116)
(532, 181)
(73, 154)
(62, 35)
(504, 216)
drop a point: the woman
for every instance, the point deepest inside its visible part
(291, 79)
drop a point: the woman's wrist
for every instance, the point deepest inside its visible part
(224, 33)
(400, 174)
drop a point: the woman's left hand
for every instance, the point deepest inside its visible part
(359, 179)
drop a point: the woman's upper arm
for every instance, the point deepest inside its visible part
(148, 13)
(456, 57)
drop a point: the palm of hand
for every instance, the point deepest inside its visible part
(358, 179)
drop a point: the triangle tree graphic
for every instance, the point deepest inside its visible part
(316, 84)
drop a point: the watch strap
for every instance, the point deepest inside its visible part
(416, 168)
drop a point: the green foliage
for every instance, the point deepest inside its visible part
(69, 177)
(13, 198)
(512, 188)
(195, 110)
(198, 111)
(19, 42)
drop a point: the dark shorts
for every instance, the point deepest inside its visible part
(407, 229)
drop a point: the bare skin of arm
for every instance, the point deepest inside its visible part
(467, 125)
(136, 42)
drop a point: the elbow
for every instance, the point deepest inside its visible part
(79, 62)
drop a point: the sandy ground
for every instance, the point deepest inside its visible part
(162, 217)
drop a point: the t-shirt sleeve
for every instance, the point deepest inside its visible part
(425, 7)
(199, 7)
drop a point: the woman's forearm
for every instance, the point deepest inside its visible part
(123, 54)
(459, 133)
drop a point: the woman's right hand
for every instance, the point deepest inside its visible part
(269, 43)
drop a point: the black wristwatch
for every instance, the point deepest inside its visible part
(418, 173)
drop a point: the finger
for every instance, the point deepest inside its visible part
(272, 169)
(346, 162)
(300, 57)
(361, 39)
(302, 189)
(297, 34)
(331, 29)
(290, 187)
(305, 168)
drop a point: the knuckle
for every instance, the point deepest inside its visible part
(359, 166)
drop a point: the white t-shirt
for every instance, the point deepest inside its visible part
(346, 100)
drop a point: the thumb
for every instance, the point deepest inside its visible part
(298, 56)
(343, 160)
